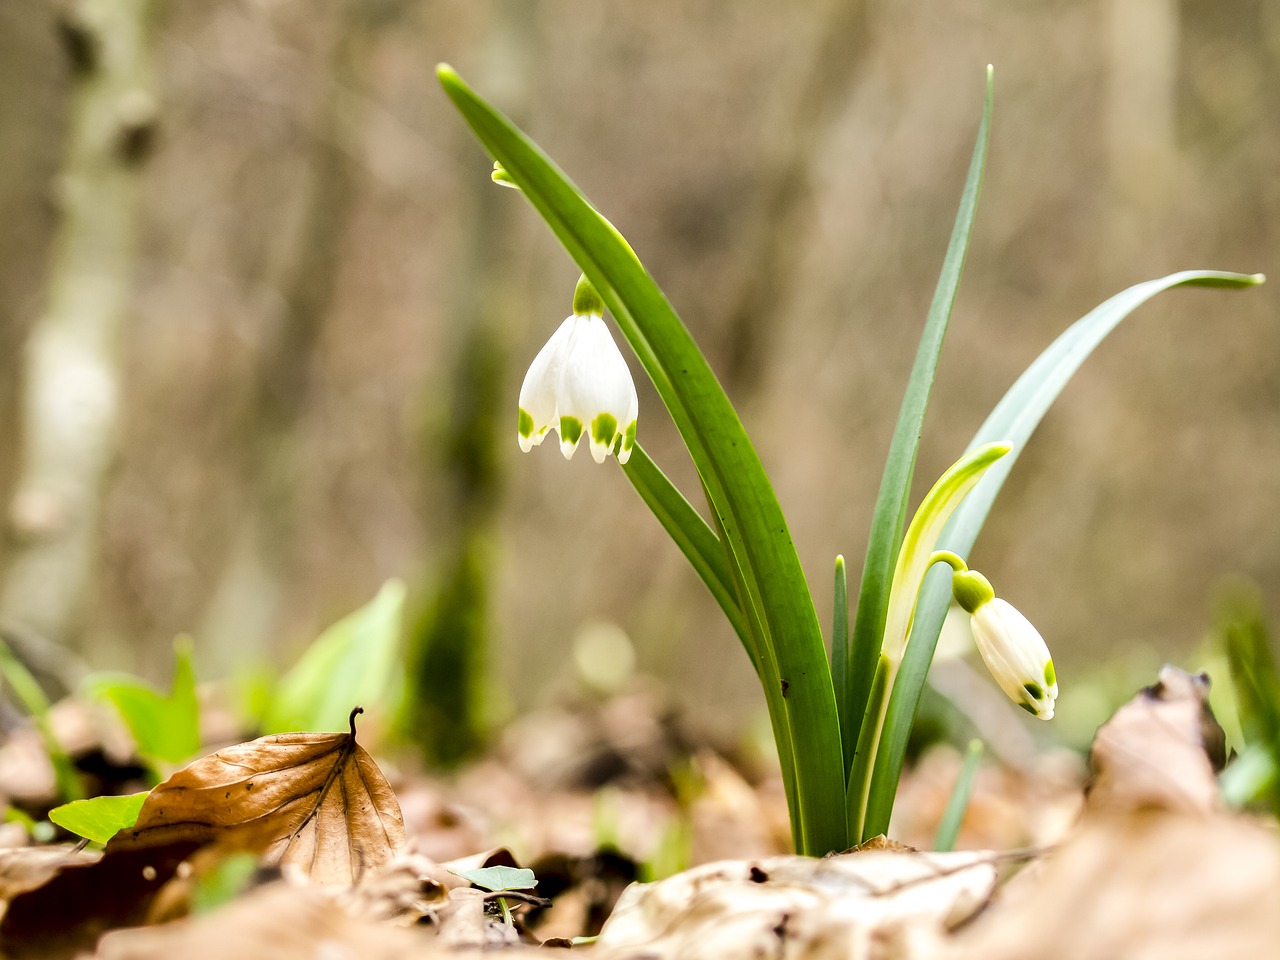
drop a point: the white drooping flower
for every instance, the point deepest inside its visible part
(1011, 647)
(579, 383)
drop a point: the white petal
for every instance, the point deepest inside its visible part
(1016, 655)
(596, 381)
(538, 393)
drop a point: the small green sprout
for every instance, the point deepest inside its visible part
(497, 879)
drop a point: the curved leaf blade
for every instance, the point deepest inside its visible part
(889, 518)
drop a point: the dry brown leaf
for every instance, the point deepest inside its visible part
(314, 802)
(1156, 751)
(838, 907)
(65, 915)
(277, 922)
(27, 868)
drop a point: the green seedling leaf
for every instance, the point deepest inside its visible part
(100, 818)
(1014, 420)
(352, 662)
(497, 879)
(890, 514)
(787, 645)
(165, 728)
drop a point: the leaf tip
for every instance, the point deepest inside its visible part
(448, 76)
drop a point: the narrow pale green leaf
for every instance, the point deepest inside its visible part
(840, 653)
(755, 529)
(100, 818)
(889, 518)
(165, 728)
(499, 878)
(953, 816)
(1014, 420)
(352, 663)
(696, 540)
(32, 696)
(858, 789)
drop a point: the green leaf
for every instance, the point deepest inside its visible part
(696, 540)
(953, 816)
(28, 690)
(914, 560)
(100, 818)
(165, 728)
(1014, 420)
(890, 513)
(499, 878)
(352, 663)
(790, 648)
(840, 653)
(229, 878)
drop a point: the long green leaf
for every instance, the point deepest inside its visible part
(696, 540)
(756, 530)
(890, 515)
(1014, 420)
(840, 651)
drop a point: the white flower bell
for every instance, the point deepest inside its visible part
(1011, 647)
(579, 383)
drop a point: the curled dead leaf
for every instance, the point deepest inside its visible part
(313, 802)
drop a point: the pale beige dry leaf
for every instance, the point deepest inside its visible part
(844, 906)
(1144, 886)
(1153, 752)
(312, 802)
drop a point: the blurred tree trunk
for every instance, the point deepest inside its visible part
(776, 226)
(33, 108)
(72, 365)
(449, 656)
(244, 610)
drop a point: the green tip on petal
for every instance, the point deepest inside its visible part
(586, 301)
(1029, 707)
(570, 430)
(604, 428)
(1050, 675)
(1035, 690)
(524, 424)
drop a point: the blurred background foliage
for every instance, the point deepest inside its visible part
(327, 309)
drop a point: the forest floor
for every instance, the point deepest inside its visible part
(642, 842)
